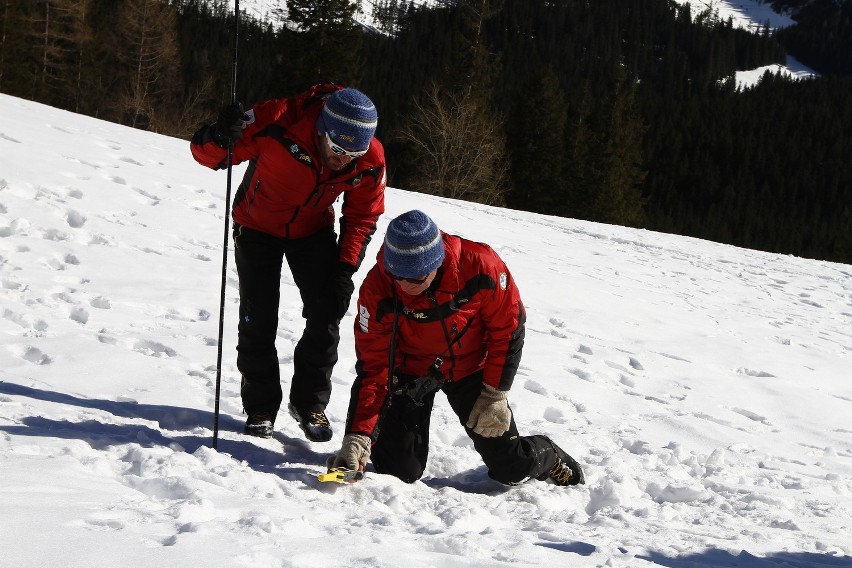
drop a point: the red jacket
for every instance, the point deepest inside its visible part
(287, 191)
(471, 317)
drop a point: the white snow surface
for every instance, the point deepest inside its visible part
(705, 388)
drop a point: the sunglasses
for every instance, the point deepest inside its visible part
(341, 151)
(415, 281)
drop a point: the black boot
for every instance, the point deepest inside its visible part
(260, 424)
(315, 425)
(565, 469)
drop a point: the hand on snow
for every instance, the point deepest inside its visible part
(490, 416)
(353, 454)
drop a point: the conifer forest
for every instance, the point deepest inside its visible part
(623, 112)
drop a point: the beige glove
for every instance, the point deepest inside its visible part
(490, 416)
(353, 454)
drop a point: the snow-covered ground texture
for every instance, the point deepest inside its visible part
(704, 387)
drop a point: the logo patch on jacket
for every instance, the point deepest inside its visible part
(299, 154)
(363, 319)
(504, 281)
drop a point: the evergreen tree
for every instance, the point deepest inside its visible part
(327, 43)
(617, 163)
(538, 147)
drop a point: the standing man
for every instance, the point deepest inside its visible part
(304, 152)
(438, 312)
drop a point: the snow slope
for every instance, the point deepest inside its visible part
(704, 387)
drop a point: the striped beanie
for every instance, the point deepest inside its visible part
(414, 246)
(350, 118)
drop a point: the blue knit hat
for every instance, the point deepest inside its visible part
(350, 118)
(413, 245)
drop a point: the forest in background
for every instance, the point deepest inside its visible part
(609, 111)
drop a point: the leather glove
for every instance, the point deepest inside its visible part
(490, 416)
(229, 126)
(353, 454)
(340, 289)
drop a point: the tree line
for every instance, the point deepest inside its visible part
(609, 111)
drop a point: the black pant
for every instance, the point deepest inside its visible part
(402, 447)
(259, 258)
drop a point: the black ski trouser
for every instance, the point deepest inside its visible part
(402, 447)
(259, 258)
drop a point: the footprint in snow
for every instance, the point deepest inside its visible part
(75, 219)
(754, 373)
(35, 355)
(80, 315)
(24, 321)
(153, 349)
(55, 235)
(100, 302)
(617, 366)
(153, 198)
(187, 315)
(555, 415)
(535, 387)
(752, 415)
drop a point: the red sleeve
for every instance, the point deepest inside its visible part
(362, 207)
(208, 153)
(503, 314)
(373, 330)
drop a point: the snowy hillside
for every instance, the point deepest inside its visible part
(749, 14)
(705, 388)
(753, 15)
(272, 10)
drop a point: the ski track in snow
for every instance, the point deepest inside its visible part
(694, 381)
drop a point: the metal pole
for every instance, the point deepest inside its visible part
(226, 236)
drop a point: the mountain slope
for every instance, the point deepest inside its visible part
(704, 388)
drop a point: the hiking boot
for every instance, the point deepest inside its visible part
(260, 424)
(565, 470)
(315, 425)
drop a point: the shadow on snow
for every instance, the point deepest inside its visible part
(722, 559)
(100, 435)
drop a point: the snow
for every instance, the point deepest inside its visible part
(704, 387)
(749, 14)
(753, 15)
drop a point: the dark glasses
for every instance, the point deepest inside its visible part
(415, 281)
(341, 151)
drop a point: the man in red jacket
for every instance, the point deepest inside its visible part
(438, 312)
(303, 152)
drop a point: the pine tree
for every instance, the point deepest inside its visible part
(617, 162)
(327, 43)
(538, 150)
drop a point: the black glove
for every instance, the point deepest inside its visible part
(340, 289)
(229, 127)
